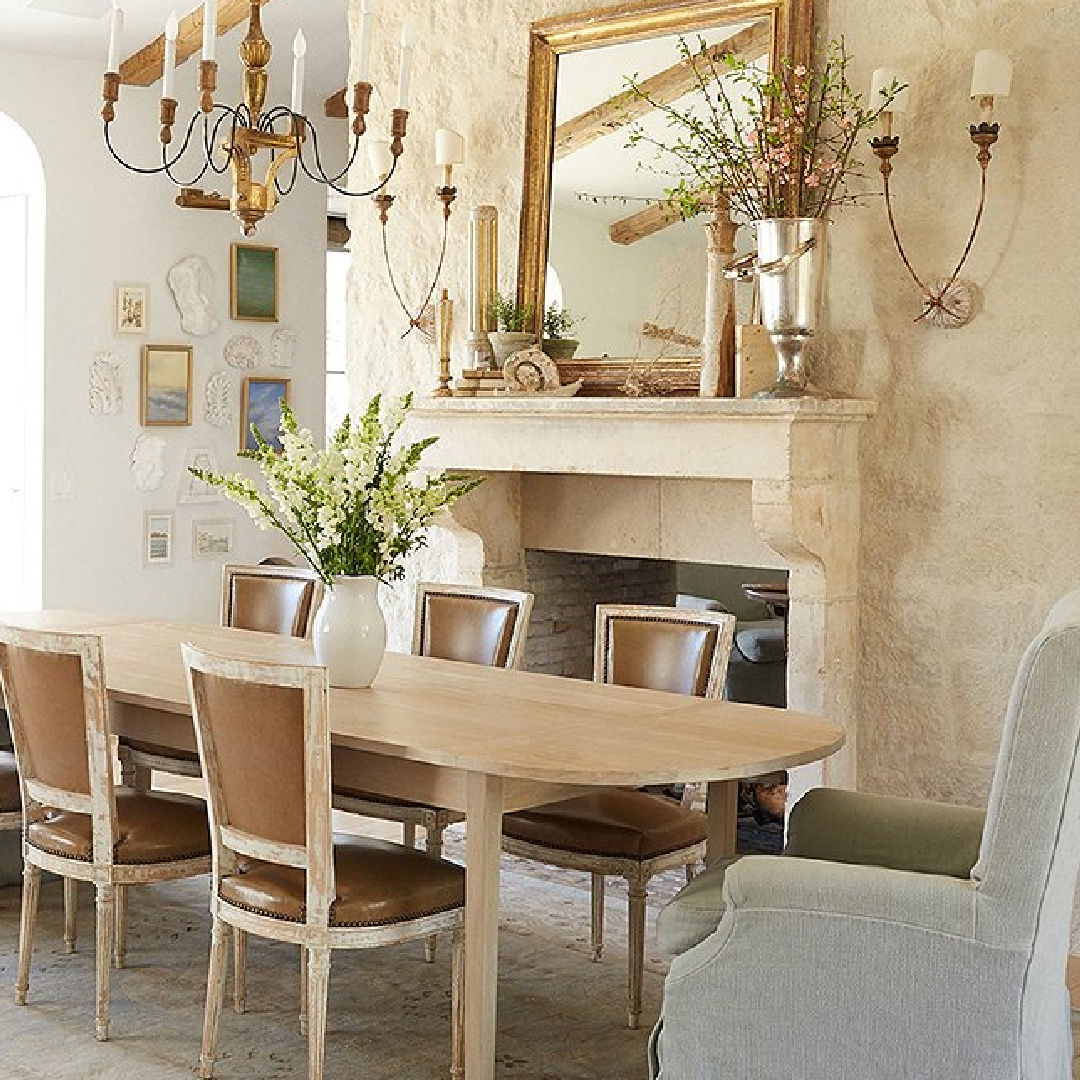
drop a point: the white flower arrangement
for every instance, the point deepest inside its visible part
(351, 508)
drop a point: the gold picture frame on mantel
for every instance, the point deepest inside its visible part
(790, 24)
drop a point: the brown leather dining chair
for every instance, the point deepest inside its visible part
(76, 822)
(476, 625)
(628, 833)
(278, 871)
(272, 599)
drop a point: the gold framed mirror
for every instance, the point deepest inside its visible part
(584, 209)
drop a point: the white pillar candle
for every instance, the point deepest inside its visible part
(882, 79)
(449, 147)
(299, 50)
(363, 65)
(991, 75)
(405, 71)
(172, 29)
(380, 158)
(116, 33)
(209, 30)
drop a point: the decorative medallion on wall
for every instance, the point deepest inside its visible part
(106, 389)
(148, 462)
(283, 348)
(190, 281)
(192, 489)
(219, 408)
(242, 351)
(957, 304)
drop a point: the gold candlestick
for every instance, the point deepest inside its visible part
(446, 324)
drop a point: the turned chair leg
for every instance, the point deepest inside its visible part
(434, 828)
(215, 994)
(120, 929)
(636, 951)
(31, 891)
(71, 907)
(597, 916)
(239, 970)
(457, 1006)
(318, 969)
(106, 922)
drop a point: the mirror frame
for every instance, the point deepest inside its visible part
(792, 36)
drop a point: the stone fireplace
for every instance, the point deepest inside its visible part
(768, 483)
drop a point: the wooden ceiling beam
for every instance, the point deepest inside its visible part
(144, 68)
(661, 89)
(652, 219)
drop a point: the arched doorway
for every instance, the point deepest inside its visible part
(22, 317)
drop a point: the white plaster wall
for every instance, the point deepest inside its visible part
(104, 225)
(971, 470)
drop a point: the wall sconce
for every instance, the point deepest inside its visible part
(449, 151)
(948, 301)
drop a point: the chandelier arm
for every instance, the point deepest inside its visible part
(284, 189)
(210, 137)
(165, 165)
(321, 176)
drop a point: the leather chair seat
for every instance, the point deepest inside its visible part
(152, 828)
(378, 884)
(10, 797)
(617, 823)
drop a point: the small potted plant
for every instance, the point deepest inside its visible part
(557, 343)
(511, 318)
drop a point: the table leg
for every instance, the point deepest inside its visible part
(721, 829)
(483, 808)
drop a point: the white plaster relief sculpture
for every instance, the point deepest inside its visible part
(189, 280)
(106, 389)
(192, 489)
(148, 462)
(532, 371)
(218, 407)
(242, 351)
(283, 348)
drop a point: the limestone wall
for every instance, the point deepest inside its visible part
(971, 469)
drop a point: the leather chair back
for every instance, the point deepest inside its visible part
(272, 599)
(473, 625)
(659, 648)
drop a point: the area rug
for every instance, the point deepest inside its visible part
(561, 1017)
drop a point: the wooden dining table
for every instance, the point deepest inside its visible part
(483, 741)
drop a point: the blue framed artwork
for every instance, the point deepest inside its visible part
(261, 408)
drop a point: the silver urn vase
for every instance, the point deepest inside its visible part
(790, 266)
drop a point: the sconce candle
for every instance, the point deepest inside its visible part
(449, 147)
(209, 30)
(380, 158)
(883, 79)
(116, 32)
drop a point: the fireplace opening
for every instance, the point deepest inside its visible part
(568, 586)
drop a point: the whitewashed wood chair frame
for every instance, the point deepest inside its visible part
(434, 820)
(315, 936)
(110, 879)
(138, 764)
(636, 872)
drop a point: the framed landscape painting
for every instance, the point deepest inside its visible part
(157, 539)
(254, 283)
(165, 396)
(261, 407)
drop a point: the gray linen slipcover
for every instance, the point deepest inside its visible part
(830, 970)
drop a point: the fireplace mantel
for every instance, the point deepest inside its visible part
(720, 480)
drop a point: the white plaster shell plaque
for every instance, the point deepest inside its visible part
(148, 462)
(106, 389)
(190, 281)
(218, 408)
(242, 351)
(283, 348)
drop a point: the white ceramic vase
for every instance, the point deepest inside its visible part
(350, 631)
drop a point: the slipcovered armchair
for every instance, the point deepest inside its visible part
(897, 939)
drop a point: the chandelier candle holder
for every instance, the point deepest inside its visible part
(449, 151)
(221, 137)
(947, 302)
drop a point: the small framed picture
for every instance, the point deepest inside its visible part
(212, 538)
(157, 539)
(261, 408)
(192, 489)
(165, 396)
(131, 309)
(254, 283)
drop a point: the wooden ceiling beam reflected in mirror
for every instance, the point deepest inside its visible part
(564, 128)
